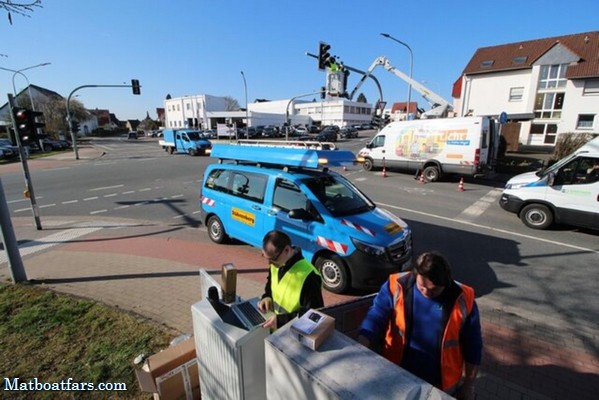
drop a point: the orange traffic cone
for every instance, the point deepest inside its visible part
(384, 171)
(461, 185)
(421, 180)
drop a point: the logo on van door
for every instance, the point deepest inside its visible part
(243, 216)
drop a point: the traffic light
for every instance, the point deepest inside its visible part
(323, 55)
(26, 125)
(74, 126)
(135, 86)
(323, 92)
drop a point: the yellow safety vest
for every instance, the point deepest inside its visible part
(286, 293)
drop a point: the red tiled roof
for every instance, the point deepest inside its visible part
(584, 45)
(401, 107)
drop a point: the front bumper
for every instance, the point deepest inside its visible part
(511, 203)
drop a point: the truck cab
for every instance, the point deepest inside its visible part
(188, 141)
(254, 189)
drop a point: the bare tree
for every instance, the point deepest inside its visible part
(231, 104)
(55, 113)
(19, 7)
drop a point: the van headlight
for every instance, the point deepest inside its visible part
(370, 249)
(514, 186)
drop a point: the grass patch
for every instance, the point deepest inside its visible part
(53, 337)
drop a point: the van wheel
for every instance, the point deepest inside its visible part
(333, 272)
(368, 165)
(171, 150)
(536, 216)
(431, 173)
(216, 230)
(191, 152)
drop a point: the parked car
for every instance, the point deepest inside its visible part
(348, 132)
(270, 131)
(313, 129)
(300, 131)
(132, 135)
(8, 150)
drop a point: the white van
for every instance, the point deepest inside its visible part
(465, 146)
(565, 193)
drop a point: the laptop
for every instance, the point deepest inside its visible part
(248, 314)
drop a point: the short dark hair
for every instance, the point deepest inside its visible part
(433, 266)
(278, 239)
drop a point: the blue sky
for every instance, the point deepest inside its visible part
(186, 47)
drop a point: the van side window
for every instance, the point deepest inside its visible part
(287, 196)
(580, 171)
(378, 141)
(249, 186)
(218, 180)
(589, 170)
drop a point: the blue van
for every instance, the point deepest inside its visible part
(256, 188)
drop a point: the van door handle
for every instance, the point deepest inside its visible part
(271, 213)
(255, 207)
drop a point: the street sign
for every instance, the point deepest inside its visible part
(503, 117)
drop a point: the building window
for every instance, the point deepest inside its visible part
(549, 105)
(487, 63)
(585, 121)
(591, 87)
(516, 93)
(549, 130)
(519, 60)
(553, 76)
(188, 106)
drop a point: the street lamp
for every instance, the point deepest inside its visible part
(20, 72)
(247, 118)
(411, 68)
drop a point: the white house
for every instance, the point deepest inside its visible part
(192, 111)
(545, 86)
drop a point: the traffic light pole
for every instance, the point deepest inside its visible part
(9, 240)
(73, 134)
(29, 191)
(287, 120)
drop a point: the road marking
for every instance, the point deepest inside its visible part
(105, 188)
(98, 211)
(480, 206)
(145, 189)
(48, 205)
(22, 209)
(55, 239)
(180, 216)
(70, 202)
(110, 195)
(121, 207)
(176, 196)
(90, 198)
(128, 192)
(19, 200)
(490, 228)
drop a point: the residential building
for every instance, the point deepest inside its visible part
(545, 86)
(192, 111)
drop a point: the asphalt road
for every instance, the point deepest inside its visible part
(548, 277)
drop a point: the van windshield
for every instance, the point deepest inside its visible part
(339, 195)
(195, 135)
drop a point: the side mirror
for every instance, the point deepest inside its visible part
(551, 178)
(300, 213)
(369, 145)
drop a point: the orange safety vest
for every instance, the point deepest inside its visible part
(452, 359)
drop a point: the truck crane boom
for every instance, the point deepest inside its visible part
(439, 105)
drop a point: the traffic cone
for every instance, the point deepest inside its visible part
(421, 180)
(384, 171)
(461, 185)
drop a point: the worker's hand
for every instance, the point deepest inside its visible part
(271, 323)
(363, 340)
(265, 305)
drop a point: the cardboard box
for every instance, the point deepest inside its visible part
(312, 328)
(172, 374)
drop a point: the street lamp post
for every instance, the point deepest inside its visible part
(20, 72)
(411, 68)
(247, 115)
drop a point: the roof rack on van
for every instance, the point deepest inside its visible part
(306, 144)
(289, 156)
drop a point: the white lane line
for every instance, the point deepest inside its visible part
(110, 195)
(196, 212)
(480, 206)
(179, 216)
(98, 212)
(145, 189)
(105, 188)
(176, 196)
(22, 209)
(128, 192)
(48, 205)
(491, 228)
(70, 202)
(20, 200)
(49, 241)
(121, 207)
(90, 198)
